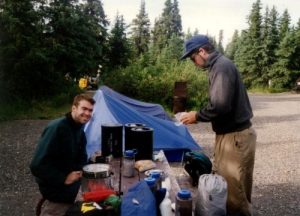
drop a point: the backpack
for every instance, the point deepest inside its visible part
(196, 164)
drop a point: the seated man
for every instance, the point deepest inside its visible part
(60, 156)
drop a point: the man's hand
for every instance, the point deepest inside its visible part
(73, 177)
(189, 118)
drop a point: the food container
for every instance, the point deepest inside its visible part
(96, 177)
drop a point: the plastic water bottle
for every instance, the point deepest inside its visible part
(157, 177)
(128, 163)
(184, 203)
(151, 183)
(165, 206)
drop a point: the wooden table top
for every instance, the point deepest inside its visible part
(127, 182)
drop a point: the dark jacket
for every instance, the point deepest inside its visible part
(228, 108)
(61, 150)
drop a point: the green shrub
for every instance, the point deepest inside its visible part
(155, 82)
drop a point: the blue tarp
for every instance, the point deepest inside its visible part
(112, 107)
(145, 201)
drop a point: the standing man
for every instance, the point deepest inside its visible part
(60, 156)
(229, 112)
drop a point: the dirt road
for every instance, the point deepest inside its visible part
(276, 176)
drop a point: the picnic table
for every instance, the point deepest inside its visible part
(122, 184)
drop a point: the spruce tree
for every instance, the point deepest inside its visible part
(188, 34)
(270, 44)
(119, 47)
(196, 31)
(283, 70)
(220, 47)
(266, 23)
(159, 38)
(176, 20)
(298, 25)
(23, 60)
(162, 28)
(98, 23)
(232, 47)
(243, 60)
(167, 25)
(284, 24)
(141, 31)
(296, 60)
(249, 54)
(62, 30)
(167, 19)
(286, 69)
(173, 50)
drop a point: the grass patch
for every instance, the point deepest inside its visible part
(47, 110)
(259, 89)
(35, 110)
(44, 109)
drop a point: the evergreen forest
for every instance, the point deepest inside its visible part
(46, 46)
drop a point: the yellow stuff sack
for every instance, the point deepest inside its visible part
(82, 83)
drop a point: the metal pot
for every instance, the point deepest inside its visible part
(96, 177)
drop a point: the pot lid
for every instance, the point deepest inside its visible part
(98, 170)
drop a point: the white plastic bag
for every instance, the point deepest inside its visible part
(178, 117)
(211, 196)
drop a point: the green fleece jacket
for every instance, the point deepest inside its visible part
(61, 150)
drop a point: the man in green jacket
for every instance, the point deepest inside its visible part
(60, 156)
(230, 113)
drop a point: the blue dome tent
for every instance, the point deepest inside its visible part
(112, 107)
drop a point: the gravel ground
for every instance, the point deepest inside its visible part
(276, 189)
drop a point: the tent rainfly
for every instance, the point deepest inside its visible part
(112, 107)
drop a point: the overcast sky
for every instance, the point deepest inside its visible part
(208, 16)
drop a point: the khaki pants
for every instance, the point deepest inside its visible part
(234, 160)
(54, 209)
